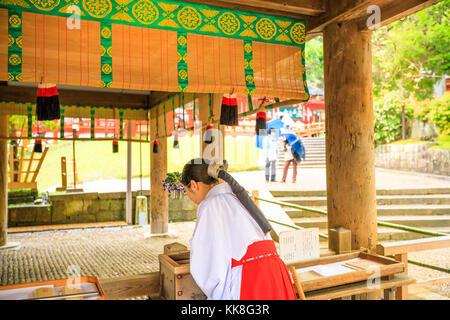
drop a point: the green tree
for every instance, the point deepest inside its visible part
(314, 62)
(412, 54)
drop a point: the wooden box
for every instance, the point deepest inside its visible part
(57, 284)
(176, 282)
(367, 267)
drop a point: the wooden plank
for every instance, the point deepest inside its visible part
(358, 288)
(402, 292)
(38, 167)
(386, 268)
(433, 281)
(130, 286)
(387, 249)
(305, 7)
(278, 11)
(398, 10)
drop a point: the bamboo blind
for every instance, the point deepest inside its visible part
(58, 54)
(144, 58)
(215, 64)
(278, 71)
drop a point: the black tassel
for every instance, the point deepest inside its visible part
(176, 144)
(37, 146)
(115, 146)
(208, 134)
(47, 103)
(155, 146)
(229, 112)
(261, 124)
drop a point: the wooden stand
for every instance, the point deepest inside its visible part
(176, 283)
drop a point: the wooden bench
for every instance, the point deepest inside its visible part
(401, 249)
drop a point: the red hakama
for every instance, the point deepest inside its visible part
(264, 274)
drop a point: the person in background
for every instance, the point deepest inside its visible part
(288, 159)
(270, 151)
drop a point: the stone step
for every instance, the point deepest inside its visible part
(420, 222)
(389, 234)
(390, 210)
(404, 191)
(381, 200)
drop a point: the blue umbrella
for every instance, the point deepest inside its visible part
(296, 144)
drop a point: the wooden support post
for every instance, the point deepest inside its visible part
(3, 180)
(129, 195)
(351, 200)
(159, 199)
(402, 292)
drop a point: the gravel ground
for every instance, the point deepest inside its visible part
(101, 252)
(437, 257)
(120, 251)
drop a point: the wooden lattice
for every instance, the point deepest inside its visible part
(23, 170)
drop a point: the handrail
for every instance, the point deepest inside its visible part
(426, 265)
(384, 224)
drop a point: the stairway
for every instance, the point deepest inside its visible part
(314, 152)
(423, 208)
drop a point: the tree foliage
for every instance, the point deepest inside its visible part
(413, 53)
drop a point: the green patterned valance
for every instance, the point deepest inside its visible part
(176, 16)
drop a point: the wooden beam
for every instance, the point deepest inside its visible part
(340, 11)
(398, 10)
(3, 181)
(130, 286)
(387, 249)
(297, 9)
(77, 97)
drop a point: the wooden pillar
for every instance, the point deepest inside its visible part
(3, 180)
(159, 199)
(351, 191)
(129, 194)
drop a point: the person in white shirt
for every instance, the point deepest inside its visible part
(231, 257)
(270, 151)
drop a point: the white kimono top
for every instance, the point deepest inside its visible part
(223, 231)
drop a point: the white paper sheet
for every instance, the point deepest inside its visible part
(299, 245)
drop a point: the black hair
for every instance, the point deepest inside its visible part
(197, 170)
(270, 130)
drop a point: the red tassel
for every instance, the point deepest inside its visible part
(176, 144)
(229, 112)
(115, 146)
(37, 146)
(261, 119)
(155, 146)
(47, 103)
(208, 134)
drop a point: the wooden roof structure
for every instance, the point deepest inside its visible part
(271, 34)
